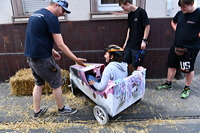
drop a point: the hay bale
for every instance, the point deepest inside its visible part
(22, 83)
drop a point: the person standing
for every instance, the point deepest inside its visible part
(42, 31)
(185, 49)
(137, 34)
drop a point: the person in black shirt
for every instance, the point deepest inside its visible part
(183, 53)
(138, 31)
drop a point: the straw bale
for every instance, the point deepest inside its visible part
(22, 83)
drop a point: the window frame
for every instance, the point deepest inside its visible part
(105, 7)
(20, 17)
(95, 14)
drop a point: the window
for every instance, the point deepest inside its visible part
(31, 6)
(197, 3)
(109, 5)
(22, 9)
(100, 9)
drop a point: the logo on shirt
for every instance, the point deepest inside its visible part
(190, 22)
(135, 19)
(37, 15)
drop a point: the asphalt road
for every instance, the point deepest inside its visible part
(159, 111)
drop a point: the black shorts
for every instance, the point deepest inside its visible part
(45, 69)
(185, 62)
(133, 57)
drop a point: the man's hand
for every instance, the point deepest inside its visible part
(143, 45)
(79, 61)
(56, 55)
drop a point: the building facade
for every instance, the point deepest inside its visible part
(86, 31)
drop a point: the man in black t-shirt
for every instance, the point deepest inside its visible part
(183, 53)
(138, 31)
(42, 31)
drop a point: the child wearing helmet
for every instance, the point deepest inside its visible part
(115, 69)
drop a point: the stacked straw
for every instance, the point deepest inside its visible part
(22, 83)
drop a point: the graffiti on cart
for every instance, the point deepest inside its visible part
(127, 88)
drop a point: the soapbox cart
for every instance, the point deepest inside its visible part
(117, 96)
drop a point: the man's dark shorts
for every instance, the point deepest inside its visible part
(131, 57)
(185, 62)
(45, 69)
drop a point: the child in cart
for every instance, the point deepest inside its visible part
(116, 69)
(113, 91)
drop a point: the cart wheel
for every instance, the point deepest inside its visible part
(100, 115)
(75, 90)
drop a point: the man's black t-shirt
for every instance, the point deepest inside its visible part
(187, 30)
(137, 21)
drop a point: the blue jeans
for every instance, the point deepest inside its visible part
(91, 77)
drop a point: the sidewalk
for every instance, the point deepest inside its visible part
(164, 103)
(16, 112)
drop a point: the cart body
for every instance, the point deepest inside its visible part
(118, 95)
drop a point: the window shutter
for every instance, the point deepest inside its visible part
(141, 3)
(31, 6)
(94, 5)
(17, 7)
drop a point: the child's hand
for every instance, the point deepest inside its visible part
(91, 82)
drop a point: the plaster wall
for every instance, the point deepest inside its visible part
(5, 12)
(81, 10)
(158, 8)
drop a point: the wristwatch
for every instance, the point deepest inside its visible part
(145, 40)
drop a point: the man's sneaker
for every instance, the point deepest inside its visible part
(164, 86)
(67, 111)
(185, 93)
(42, 112)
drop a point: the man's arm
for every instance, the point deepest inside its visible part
(173, 24)
(61, 45)
(127, 36)
(146, 34)
(146, 31)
